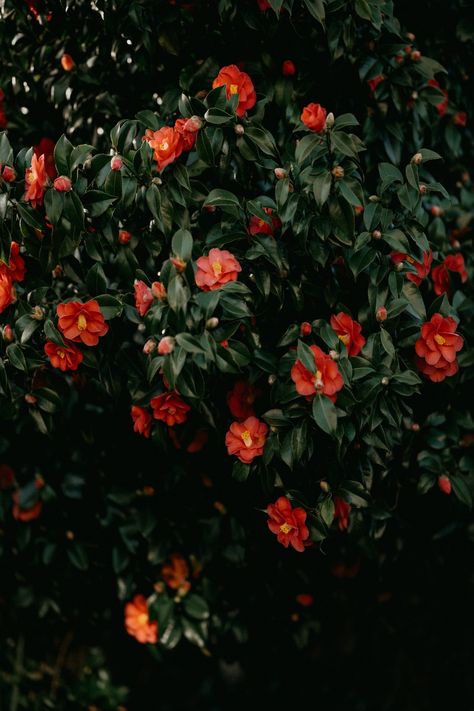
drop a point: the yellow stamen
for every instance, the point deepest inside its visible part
(410, 259)
(81, 322)
(440, 340)
(261, 222)
(30, 178)
(164, 145)
(286, 527)
(246, 438)
(60, 353)
(217, 268)
(345, 338)
(142, 619)
(234, 89)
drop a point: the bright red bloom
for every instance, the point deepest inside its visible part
(8, 174)
(141, 420)
(341, 513)
(306, 329)
(444, 483)
(237, 82)
(81, 322)
(215, 270)
(258, 226)
(67, 62)
(46, 147)
(443, 105)
(326, 380)
(246, 439)
(167, 146)
(62, 184)
(143, 297)
(16, 266)
(241, 398)
(288, 524)
(288, 68)
(137, 621)
(188, 138)
(25, 515)
(460, 118)
(7, 291)
(7, 477)
(373, 83)
(422, 270)
(440, 274)
(124, 236)
(437, 347)
(66, 357)
(349, 332)
(175, 573)
(314, 117)
(35, 181)
(170, 408)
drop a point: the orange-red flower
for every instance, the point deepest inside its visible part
(143, 297)
(46, 147)
(342, 512)
(141, 420)
(215, 270)
(66, 357)
(63, 184)
(158, 290)
(188, 138)
(81, 322)
(373, 83)
(137, 621)
(167, 146)
(443, 105)
(35, 181)
(25, 514)
(67, 62)
(288, 524)
(237, 82)
(7, 291)
(440, 274)
(422, 270)
(437, 347)
(16, 265)
(241, 398)
(175, 573)
(170, 408)
(314, 117)
(326, 378)
(258, 226)
(246, 439)
(349, 332)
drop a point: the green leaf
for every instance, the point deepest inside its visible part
(53, 205)
(109, 305)
(316, 8)
(62, 153)
(218, 116)
(324, 414)
(182, 244)
(240, 471)
(322, 188)
(16, 357)
(222, 198)
(195, 606)
(153, 200)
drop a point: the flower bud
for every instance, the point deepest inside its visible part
(460, 118)
(456, 244)
(444, 483)
(324, 486)
(338, 172)
(178, 263)
(159, 587)
(423, 189)
(37, 313)
(385, 380)
(8, 174)
(30, 399)
(399, 58)
(306, 328)
(7, 333)
(358, 210)
(124, 236)
(239, 129)
(62, 184)
(148, 490)
(288, 68)
(70, 535)
(376, 234)
(193, 124)
(212, 323)
(158, 290)
(116, 163)
(280, 173)
(210, 208)
(436, 210)
(416, 55)
(374, 198)
(417, 159)
(330, 120)
(410, 37)
(166, 345)
(271, 379)
(381, 314)
(415, 427)
(334, 355)
(57, 271)
(149, 346)
(157, 181)
(67, 62)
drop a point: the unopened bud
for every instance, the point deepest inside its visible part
(62, 184)
(334, 355)
(376, 234)
(8, 174)
(330, 120)
(31, 399)
(178, 263)
(324, 486)
(306, 329)
(381, 314)
(166, 345)
(70, 535)
(158, 290)
(193, 124)
(159, 587)
(374, 198)
(444, 483)
(423, 189)
(57, 271)
(416, 55)
(116, 163)
(149, 346)
(157, 181)
(415, 427)
(124, 236)
(271, 379)
(385, 380)
(37, 313)
(280, 173)
(410, 37)
(239, 129)
(8, 334)
(436, 210)
(212, 323)
(456, 244)
(417, 159)
(338, 172)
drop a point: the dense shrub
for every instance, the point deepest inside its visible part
(236, 303)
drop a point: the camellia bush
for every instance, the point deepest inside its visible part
(237, 337)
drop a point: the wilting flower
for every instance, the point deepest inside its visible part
(175, 573)
(35, 181)
(170, 408)
(141, 420)
(326, 378)
(137, 621)
(437, 347)
(288, 523)
(241, 398)
(349, 332)
(143, 297)
(66, 357)
(314, 117)
(258, 226)
(341, 513)
(422, 269)
(215, 270)
(81, 322)
(7, 292)
(167, 146)
(237, 82)
(440, 274)
(246, 439)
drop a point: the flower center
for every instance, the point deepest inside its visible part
(142, 619)
(30, 178)
(60, 353)
(345, 338)
(318, 380)
(440, 340)
(286, 527)
(410, 259)
(246, 438)
(217, 268)
(164, 145)
(234, 89)
(171, 410)
(81, 322)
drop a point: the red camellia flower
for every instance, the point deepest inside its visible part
(170, 408)
(7, 291)
(46, 147)
(166, 345)
(444, 483)
(141, 420)
(81, 322)
(326, 379)
(175, 573)
(246, 439)
(35, 181)
(241, 398)
(341, 513)
(422, 270)
(258, 226)
(67, 62)
(237, 82)
(66, 357)
(288, 524)
(167, 146)
(143, 297)
(437, 347)
(440, 274)
(16, 266)
(443, 105)
(215, 270)
(373, 83)
(188, 138)
(137, 621)
(460, 118)
(288, 68)
(62, 184)
(349, 332)
(314, 117)
(22, 514)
